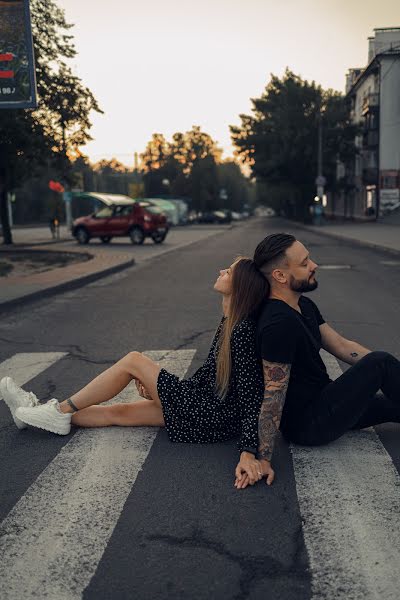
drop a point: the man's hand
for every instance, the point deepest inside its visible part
(267, 471)
(263, 466)
(248, 471)
(142, 390)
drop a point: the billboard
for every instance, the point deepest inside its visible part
(17, 69)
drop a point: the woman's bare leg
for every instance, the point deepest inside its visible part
(112, 381)
(139, 414)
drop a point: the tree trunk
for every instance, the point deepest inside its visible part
(4, 217)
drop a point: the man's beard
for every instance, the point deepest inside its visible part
(303, 285)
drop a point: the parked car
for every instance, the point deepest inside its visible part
(170, 209)
(121, 216)
(183, 210)
(219, 217)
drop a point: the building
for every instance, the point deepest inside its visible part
(373, 92)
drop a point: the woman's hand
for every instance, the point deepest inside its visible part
(264, 470)
(267, 471)
(248, 471)
(142, 390)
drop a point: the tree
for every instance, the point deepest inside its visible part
(236, 185)
(110, 167)
(182, 162)
(52, 132)
(279, 140)
(25, 145)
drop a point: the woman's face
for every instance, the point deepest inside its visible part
(223, 285)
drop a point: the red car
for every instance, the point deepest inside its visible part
(121, 216)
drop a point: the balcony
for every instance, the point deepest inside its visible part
(370, 103)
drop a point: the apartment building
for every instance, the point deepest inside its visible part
(373, 92)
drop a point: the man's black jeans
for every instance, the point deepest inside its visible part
(352, 401)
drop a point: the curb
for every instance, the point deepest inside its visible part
(72, 284)
(63, 287)
(350, 240)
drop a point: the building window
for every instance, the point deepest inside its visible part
(389, 180)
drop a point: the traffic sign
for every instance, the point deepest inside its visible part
(17, 68)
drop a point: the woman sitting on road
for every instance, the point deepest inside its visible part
(220, 401)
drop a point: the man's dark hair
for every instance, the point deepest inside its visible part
(272, 250)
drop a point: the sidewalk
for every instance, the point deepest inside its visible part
(104, 260)
(18, 290)
(377, 235)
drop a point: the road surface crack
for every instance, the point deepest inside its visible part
(192, 338)
(253, 568)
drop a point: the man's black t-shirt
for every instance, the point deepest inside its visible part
(286, 336)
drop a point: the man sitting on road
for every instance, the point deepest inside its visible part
(299, 397)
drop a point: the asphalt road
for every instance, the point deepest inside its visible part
(169, 523)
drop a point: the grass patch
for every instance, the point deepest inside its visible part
(5, 268)
(26, 263)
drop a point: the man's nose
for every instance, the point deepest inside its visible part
(315, 267)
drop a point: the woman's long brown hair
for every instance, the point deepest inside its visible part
(249, 290)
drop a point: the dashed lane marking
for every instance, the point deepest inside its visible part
(53, 539)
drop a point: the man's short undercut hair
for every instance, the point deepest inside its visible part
(271, 252)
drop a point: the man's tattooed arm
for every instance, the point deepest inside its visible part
(276, 381)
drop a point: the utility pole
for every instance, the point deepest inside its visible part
(320, 180)
(4, 217)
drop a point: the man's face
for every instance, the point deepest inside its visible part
(301, 269)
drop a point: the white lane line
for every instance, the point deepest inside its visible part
(25, 366)
(52, 540)
(349, 497)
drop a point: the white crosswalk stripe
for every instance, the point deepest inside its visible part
(349, 497)
(25, 366)
(53, 538)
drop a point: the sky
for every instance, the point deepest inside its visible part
(161, 66)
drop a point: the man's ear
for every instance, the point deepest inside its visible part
(279, 276)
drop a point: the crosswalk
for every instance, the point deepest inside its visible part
(348, 495)
(83, 489)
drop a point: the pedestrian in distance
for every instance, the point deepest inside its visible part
(300, 399)
(54, 225)
(220, 401)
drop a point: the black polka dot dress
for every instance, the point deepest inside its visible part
(194, 413)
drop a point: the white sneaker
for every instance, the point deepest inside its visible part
(14, 396)
(46, 416)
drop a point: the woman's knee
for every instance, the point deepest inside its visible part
(132, 360)
(134, 356)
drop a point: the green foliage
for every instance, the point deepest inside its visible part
(52, 133)
(188, 163)
(279, 141)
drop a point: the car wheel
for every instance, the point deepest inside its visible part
(82, 235)
(106, 238)
(136, 235)
(158, 238)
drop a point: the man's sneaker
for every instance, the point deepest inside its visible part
(46, 416)
(14, 396)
